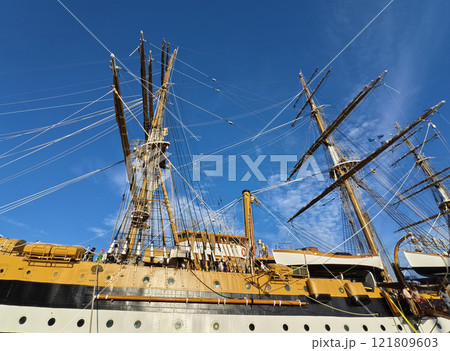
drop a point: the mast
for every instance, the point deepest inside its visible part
(150, 91)
(311, 95)
(167, 56)
(163, 92)
(143, 165)
(443, 195)
(339, 119)
(167, 204)
(163, 64)
(430, 174)
(144, 87)
(247, 200)
(151, 154)
(120, 119)
(340, 167)
(361, 164)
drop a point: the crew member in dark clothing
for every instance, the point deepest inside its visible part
(90, 254)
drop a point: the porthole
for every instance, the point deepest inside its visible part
(96, 269)
(170, 281)
(28, 272)
(137, 324)
(268, 287)
(438, 325)
(399, 327)
(51, 321)
(346, 327)
(1, 271)
(178, 325)
(287, 288)
(383, 328)
(55, 274)
(251, 326)
(109, 323)
(22, 320)
(216, 326)
(80, 323)
(341, 290)
(285, 327)
(365, 328)
(108, 277)
(306, 288)
(216, 284)
(248, 286)
(327, 327)
(146, 280)
(306, 327)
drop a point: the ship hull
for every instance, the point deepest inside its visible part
(46, 296)
(80, 297)
(113, 321)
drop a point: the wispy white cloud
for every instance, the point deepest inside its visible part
(117, 177)
(24, 227)
(99, 232)
(109, 220)
(14, 222)
(322, 223)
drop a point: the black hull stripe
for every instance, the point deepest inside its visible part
(20, 293)
(432, 271)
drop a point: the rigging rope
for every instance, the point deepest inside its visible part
(62, 154)
(35, 196)
(306, 264)
(13, 135)
(166, 109)
(54, 125)
(54, 97)
(328, 64)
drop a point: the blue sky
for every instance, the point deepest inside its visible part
(254, 51)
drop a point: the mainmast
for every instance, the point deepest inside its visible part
(341, 165)
(343, 170)
(359, 165)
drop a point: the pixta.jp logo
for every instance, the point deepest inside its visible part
(243, 167)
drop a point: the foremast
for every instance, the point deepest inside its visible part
(144, 164)
(120, 119)
(141, 235)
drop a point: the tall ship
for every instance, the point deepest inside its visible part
(426, 243)
(174, 265)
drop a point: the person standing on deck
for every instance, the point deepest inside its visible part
(446, 300)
